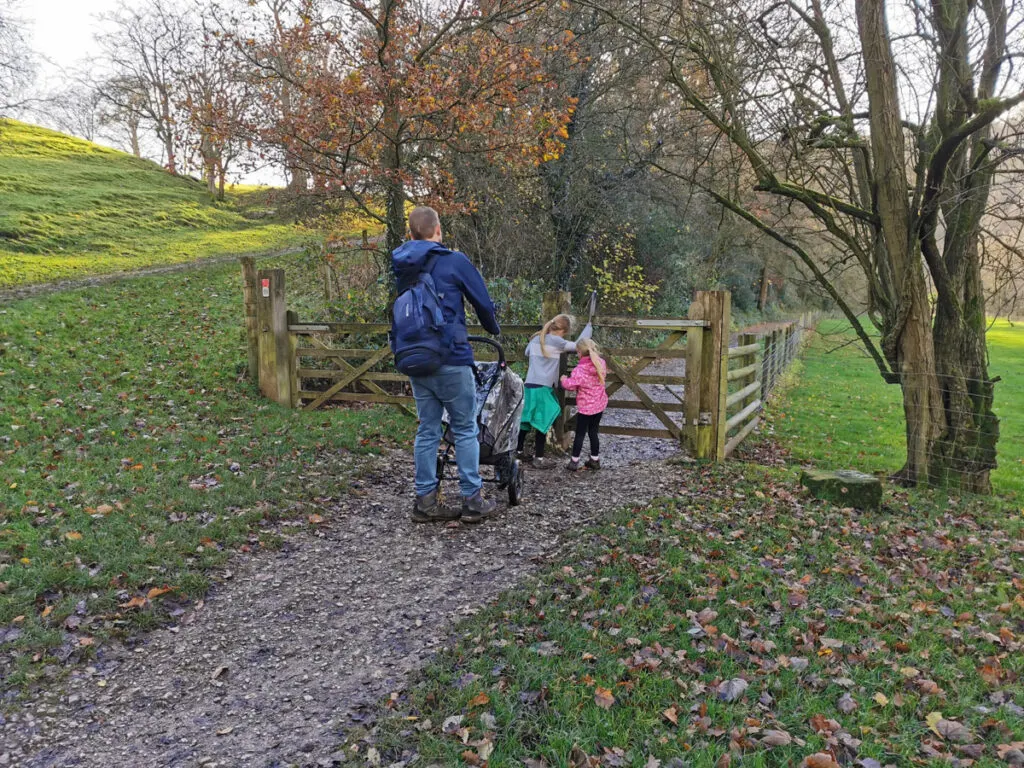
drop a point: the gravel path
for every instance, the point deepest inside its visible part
(297, 647)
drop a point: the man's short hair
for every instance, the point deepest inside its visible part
(423, 222)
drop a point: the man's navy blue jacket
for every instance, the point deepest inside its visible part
(455, 277)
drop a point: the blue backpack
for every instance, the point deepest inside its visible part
(417, 326)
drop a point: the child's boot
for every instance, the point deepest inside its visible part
(593, 463)
(573, 465)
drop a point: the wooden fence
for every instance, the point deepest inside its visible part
(307, 365)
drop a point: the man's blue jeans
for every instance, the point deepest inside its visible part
(451, 388)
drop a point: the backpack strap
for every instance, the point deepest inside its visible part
(428, 268)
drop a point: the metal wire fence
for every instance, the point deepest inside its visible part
(835, 410)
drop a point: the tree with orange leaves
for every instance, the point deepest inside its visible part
(372, 98)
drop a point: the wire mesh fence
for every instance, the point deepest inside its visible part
(836, 411)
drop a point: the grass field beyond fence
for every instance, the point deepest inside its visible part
(133, 457)
(70, 208)
(841, 415)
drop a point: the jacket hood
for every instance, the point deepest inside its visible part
(408, 259)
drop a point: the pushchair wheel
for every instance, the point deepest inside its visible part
(515, 485)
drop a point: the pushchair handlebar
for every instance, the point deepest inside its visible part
(491, 343)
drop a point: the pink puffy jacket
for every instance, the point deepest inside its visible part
(590, 395)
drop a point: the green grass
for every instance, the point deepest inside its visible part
(913, 610)
(840, 414)
(133, 457)
(70, 208)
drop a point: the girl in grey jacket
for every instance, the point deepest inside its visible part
(540, 408)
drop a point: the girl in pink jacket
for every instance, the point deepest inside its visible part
(587, 380)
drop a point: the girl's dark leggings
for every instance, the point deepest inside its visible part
(587, 425)
(538, 443)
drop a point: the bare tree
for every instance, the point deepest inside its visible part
(143, 52)
(17, 60)
(889, 143)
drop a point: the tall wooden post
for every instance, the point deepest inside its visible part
(274, 343)
(249, 291)
(766, 366)
(707, 366)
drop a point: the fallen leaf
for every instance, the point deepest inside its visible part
(479, 700)
(672, 715)
(104, 509)
(73, 536)
(846, 704)
(47, 611)
(652, 762)
(776, 739)
(603, 697)
(451, 724)
(730, 690)
(315, 519)
(135, 602)
(706, 616)
(881, 699)
(933, 719)
(86, 641)
(1012, 754)
(953, 731)
(819, 760)
(157, 591)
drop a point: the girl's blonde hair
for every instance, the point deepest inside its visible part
(589, 347)
(556, 323)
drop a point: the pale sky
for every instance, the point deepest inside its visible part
(62, 30)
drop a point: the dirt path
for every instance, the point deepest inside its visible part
(295, 649)
(8, 295)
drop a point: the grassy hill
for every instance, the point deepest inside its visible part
(70, 208)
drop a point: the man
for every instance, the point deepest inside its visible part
(453, 385)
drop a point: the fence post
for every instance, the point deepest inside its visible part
(707, 366)
(766, 367)
(274, 345)
(292, 318)
(749, 359)
(252, 341)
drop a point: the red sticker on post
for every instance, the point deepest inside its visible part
(266, 286)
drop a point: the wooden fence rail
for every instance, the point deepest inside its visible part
(307, 365)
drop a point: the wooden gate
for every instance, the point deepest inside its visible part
(307, 365)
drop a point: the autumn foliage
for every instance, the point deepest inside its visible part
(372, 101)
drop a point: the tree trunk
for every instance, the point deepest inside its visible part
(220, 182)
(964, 454)
(907, 341)
(762, 297)
(394, 191)
(922, 401)
(133, 136)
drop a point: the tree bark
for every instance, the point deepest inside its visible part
(908, 340)
(762, 296)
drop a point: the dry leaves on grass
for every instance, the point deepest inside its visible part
(603, 697)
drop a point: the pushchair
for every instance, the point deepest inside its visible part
(499, 408)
